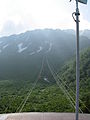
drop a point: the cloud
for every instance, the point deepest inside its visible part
(85, 9)
(20, 15)
(11, 28)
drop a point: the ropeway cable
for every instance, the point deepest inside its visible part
(59, 85)
(72, 91)
(70, 96)
(63, 88)
(67, 94)
(30, 91)
(65, 91)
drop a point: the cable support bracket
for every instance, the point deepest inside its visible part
(75, 14)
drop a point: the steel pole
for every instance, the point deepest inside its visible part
(77, 61)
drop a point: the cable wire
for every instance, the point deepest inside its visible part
(30, 91)
(63, 88)
(60, 86)
(71, 91)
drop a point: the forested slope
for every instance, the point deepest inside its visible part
(68, 73)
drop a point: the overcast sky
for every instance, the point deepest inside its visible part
(18, 16)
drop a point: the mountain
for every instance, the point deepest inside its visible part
(21, 55)
(48, 97)
(85, 33)
(25, 72)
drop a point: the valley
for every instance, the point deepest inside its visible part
(37, 69)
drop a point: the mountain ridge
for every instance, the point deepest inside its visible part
(21, 51)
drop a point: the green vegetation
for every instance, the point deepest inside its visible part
(42, 98)
(67, 74)
(47, 96)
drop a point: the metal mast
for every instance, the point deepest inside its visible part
(77, 54)
(77, 60)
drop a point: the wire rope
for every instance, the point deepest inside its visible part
(31, 90)
(63, 88)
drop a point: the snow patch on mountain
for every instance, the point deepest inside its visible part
(50, 47)
(45, 79)
(32, 53)
(5, 46)
(20, 49)
(40, 49)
